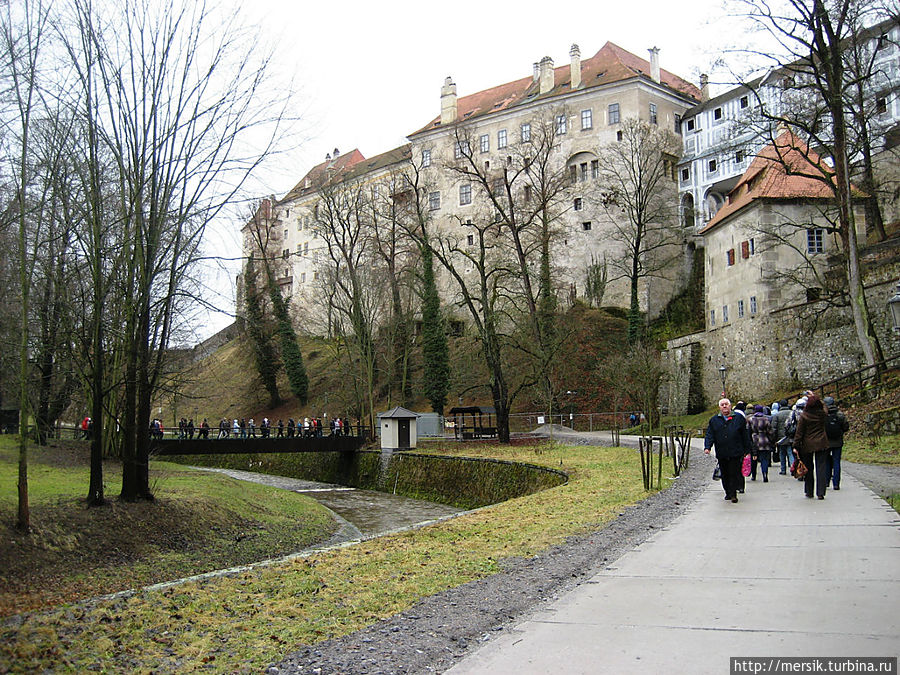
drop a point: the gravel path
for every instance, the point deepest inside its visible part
(431, 636)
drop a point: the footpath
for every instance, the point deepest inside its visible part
(776, 575)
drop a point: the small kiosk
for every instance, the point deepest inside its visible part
(398, 429)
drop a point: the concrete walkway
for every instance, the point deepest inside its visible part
(774, 575)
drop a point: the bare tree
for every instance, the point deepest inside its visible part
(639, 196)
(819, 78)
(23, 34)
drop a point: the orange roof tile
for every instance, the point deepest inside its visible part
(784, 169)
(610, 64)
(314, 176)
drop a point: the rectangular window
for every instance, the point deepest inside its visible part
(881, 105)
(717, 114)
(752, 246)
(299, 249)
(578, 204)
(465, 194)
(730, 257)
(462, 149)
(434, 201)
(470, 239)
(619, 136)
(306, 248)
(595, 168)
(690, 124)
(752, 305)
(286, 253)
(484, 143)
(745, 102)
(713, 166)
(740, 309)
(685, 173)
(316, 275)
(526, 133)
(426, 158)
(586, 226)
(613, 113)
(712, 317)
(562, 125)
(587, 119)
(815, 240)
(745, 249)
(573, 173)
(302, 277)
(678, 124)
(501, 138)
(527, 193)
(653, 116)
(285, 233)
(724, 313)
(584, 173)
(739, 157)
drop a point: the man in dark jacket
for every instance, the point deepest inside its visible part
(836, 425)
(728, 433)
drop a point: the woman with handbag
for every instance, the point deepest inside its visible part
(761, 436)
(811, 443)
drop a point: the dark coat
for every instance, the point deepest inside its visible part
(810, 436)
(845, 427)
(729, 436)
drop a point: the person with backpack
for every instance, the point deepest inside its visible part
(836, 425)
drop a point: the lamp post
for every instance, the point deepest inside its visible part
(894, 306)
(722, 369)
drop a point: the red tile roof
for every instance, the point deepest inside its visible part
(610, 64)
(784, 169)
(314, 176)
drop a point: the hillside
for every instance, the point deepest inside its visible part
(226, 384)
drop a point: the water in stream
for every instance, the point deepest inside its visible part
(371, 513)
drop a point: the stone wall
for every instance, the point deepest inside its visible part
(787, 349)
(682, 393)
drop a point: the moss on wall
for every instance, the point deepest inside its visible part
(462, 482)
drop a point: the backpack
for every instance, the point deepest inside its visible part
(833, 427)
(790, 427)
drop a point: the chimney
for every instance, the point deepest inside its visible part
(537, 72)
(575, 68)
(704, 88)
(547, 75)
(654, 64)
(448, 102)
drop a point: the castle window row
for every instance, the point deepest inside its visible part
(740, 311)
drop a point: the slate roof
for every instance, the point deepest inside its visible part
(784, 169)
(609, 65)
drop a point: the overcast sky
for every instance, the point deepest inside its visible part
(368, 73)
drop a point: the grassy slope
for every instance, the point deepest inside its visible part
(237, 624)
(199, 522)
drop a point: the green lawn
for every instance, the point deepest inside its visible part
(239, 624)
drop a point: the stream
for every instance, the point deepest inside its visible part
(363, 513)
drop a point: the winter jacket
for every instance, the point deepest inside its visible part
(779, 423)
(810, 436)
(761, 433)
(845, 427)
(729, 436)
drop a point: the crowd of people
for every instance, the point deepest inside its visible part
(806, 440)
(248, 428)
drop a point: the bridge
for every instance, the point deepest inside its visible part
(231, 446)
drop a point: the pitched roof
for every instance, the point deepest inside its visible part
(356, 166)
(314, 176)
(609, 65)
(398, 413)
(784, 169)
